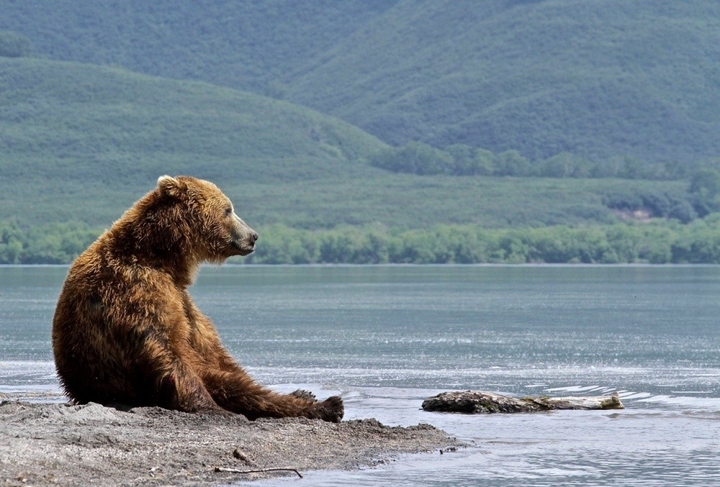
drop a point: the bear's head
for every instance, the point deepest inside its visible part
(209, 219)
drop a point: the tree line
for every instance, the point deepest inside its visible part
(666, 242)
(657, 242)
(55, 243)
(464, 160)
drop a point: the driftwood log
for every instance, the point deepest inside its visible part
(477, 402)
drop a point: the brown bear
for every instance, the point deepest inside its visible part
(126, 331)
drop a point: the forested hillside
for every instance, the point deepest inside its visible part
(243, 44)
(442, 131)
(595, 79)
(81, 142)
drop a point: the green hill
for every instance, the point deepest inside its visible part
(597, 79)
(246, 45)
(82, 142)
(616, 88)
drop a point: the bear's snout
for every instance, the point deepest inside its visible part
(243, 237)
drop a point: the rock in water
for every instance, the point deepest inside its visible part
(478, 402)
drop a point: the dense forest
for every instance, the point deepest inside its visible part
(403, 131)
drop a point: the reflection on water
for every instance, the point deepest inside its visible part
(388, 337)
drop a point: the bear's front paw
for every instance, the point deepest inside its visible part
(331, 409)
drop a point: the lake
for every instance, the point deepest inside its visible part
(386, 337)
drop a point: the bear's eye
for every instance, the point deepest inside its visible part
(228, 210)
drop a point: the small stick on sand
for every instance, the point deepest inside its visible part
(259, 470)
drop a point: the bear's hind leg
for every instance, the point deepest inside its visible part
(166, 378)
(181, 389)
(237, 392)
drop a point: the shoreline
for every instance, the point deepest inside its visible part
(63, 444)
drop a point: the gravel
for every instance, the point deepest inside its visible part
(63, 444)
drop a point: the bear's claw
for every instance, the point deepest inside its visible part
(303, 394)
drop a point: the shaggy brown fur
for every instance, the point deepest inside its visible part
(126, 331)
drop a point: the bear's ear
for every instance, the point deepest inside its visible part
(169, 186)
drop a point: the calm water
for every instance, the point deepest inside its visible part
(387, 337)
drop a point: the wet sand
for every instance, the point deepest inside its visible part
(61, 444)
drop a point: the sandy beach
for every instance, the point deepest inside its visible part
(62, 444)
